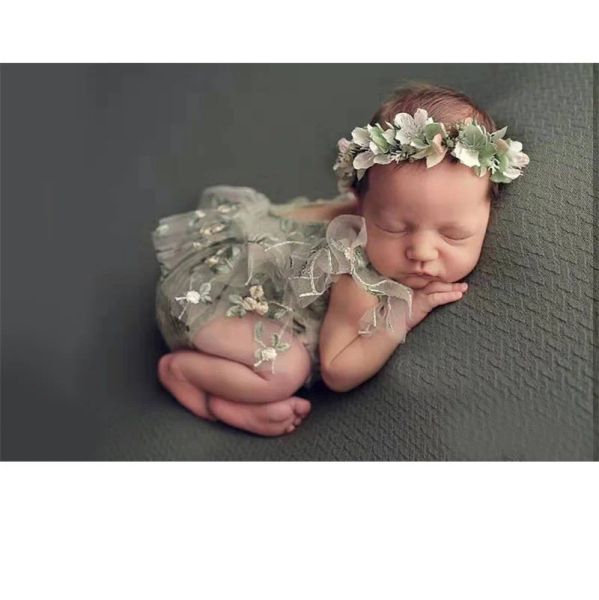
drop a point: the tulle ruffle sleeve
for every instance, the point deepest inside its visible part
(343, 252)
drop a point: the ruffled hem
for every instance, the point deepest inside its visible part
(343, 252)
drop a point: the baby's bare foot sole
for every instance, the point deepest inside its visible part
(269, 419)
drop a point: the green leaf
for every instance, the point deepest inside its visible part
(235, 299)
(499, 177)
(420, 144)
(258, 329)
(378, 138)
(431, 130)
(486, 154)
(504, 162)
(474, 137)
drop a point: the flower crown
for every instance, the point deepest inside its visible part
(412, 138)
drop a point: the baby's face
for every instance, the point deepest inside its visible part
(431, 221)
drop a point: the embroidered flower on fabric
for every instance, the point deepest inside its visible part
(190, 296)
(255, 302)
(226, 208)
(223, 259)
(268, 353)
(194, 297)
(198, 215)
(212, 229)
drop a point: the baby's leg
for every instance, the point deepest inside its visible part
(268, 418)
(223, 384)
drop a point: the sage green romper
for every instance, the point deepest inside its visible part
(237, 254)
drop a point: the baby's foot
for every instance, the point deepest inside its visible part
(191, 397)
(270, 419)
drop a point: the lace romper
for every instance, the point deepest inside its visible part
(237, 254)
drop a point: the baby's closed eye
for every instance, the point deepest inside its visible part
(451, 234)
(456, 234)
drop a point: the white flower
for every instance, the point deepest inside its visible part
(162, 229)
(465, 155)
(437, 152)
(515, 157)
(361, 136)
(190, 296)
(382, 159)
(261, 308)
(257, 292)
(410, 127)
(364, 160)
(389, 135)
(249, 304)
(212, 229)
(269, 353)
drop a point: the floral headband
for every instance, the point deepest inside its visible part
(411, 138)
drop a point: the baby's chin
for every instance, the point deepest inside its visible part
(416, 282)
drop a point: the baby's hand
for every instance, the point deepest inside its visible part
(431, 295)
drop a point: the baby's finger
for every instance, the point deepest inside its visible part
(442, 286)
(438, 298)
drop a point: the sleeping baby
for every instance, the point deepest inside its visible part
(257, 300)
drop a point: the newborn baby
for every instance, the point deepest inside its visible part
(256, 300)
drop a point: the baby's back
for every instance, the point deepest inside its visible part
(320, 210)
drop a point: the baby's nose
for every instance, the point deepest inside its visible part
(422, 252)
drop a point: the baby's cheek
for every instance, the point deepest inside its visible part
(461, 261)
(382, 256)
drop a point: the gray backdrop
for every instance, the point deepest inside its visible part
(93, 155)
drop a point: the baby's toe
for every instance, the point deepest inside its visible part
(279, 411)
(301, 408)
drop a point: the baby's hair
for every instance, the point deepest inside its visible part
(444, 104)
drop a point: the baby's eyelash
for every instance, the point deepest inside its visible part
(455, 238)
(389, 231)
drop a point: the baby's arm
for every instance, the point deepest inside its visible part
(346, 358)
